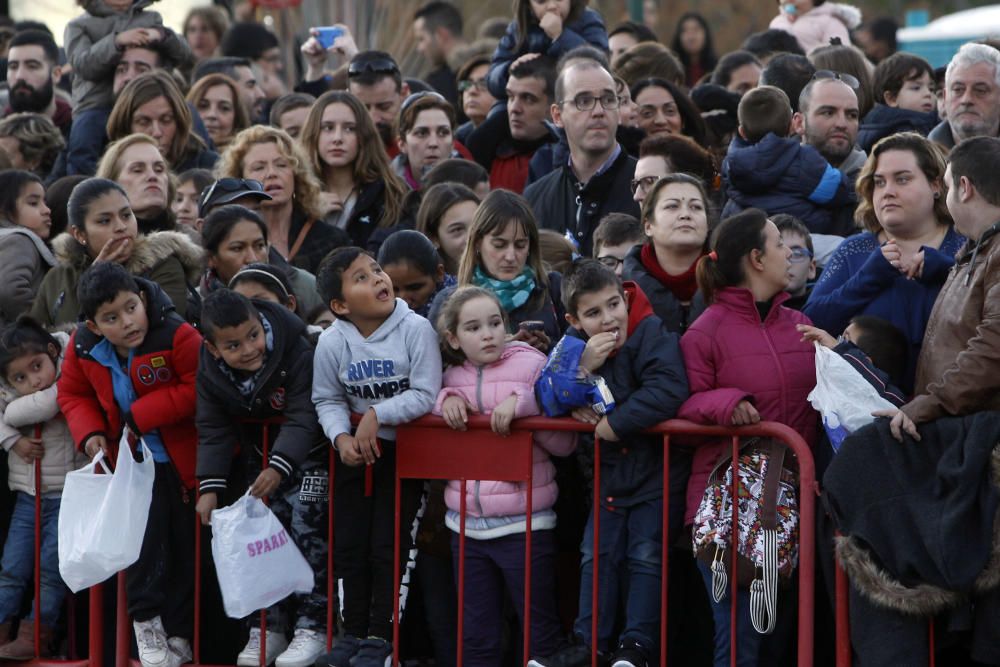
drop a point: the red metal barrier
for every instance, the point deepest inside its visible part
(428, 449)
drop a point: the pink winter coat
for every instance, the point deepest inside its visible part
(730, 355)
(819, 24)
(485, 388)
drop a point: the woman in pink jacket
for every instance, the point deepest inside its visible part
(815, 22)
(491, 376)
(746, 362)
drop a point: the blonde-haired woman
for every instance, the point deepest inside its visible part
(135, 163)
(153, 104)
(294, 212)
(346, 155)
(217, 99)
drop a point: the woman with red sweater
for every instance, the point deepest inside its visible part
(675, 220)
(746, 362)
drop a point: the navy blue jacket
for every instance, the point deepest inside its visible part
(589, 29)
(649, 384)
(883, 121)
(783, 175)
(283, 388)
(675, 315)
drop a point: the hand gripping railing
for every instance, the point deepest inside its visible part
(428, 449)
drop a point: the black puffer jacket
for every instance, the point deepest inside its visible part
(676, 316)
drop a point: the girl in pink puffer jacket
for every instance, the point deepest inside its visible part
(491, 376)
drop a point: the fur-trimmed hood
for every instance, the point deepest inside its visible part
(149, 251)
(849, 15)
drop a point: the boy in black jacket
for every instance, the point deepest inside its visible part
(256, 363)
(641, 363)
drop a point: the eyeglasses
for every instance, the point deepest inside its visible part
(646, 182)
(586, 101)
(412, 99)
(469, 84)
(227, 185)
(610, 261)
(374, 66)
(852, 82)
(799, 255)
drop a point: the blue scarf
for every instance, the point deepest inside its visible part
(512, 293)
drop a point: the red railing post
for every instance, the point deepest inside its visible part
(95, 636)
(122, 633)
(38, 549)
(735, 553)
(395, 566)
(665, 550)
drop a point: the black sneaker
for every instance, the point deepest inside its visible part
(630, 653)
(574, 655)
(343, 650)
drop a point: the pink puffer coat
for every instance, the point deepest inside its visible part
(485, 388)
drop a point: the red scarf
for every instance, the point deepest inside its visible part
(682, 286)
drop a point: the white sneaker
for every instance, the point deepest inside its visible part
(306, 646)
(250, 655)
(181, 648)
(151, 639)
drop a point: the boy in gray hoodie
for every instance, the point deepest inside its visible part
(381, 360)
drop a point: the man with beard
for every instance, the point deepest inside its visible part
(437, 27)
(827, 120)
(374, 78)
(971, 96)
(32, 72)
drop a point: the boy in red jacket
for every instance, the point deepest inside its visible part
(133, 367)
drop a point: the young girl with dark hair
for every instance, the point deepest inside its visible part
(415, 269)
(25, 223)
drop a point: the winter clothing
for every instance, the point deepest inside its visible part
(401, 165)
(501, 505)
(957, 368)
(20, 414)
(943, 135)
(91, 49)
(282, 387)
(883, 121)
(366, 214)
(877, 378)
(858, 280)
(24, 260)
(818, 25)
(163, 369)
(588, 29)
(321, 238)
(549, 157)
(396, 371)
(784, 175)
(676, 316)
(442, 79)
(507, 159)
(732, 355)
(169, 259)
(563, 204)
(512, 293)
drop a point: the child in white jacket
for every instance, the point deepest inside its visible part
(30, 359)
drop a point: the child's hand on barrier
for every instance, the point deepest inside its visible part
(206, 504)
(812, 334)
(586, 415)
(94, 444)
(265, 484)
(455, 411)
(745, 414)
(605, 432)
(366, 437)
(502, 416)
(29, 449)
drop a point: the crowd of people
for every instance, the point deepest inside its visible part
(187, 248)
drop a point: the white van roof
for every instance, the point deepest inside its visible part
(971, 24)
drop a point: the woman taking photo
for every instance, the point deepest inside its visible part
(347, 157)
(502, 254)
(136, 164)
(894, 269)
(746, 363)
(103, 228)
(217, 99)
(153, 104)
(445, 214)
(675, 219)
(293, 213)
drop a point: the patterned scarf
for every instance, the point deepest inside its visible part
(512, 293)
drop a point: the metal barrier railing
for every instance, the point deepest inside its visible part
(428, 449)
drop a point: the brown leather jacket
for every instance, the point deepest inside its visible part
(958, 371)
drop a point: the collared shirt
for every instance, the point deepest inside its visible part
(600, 170)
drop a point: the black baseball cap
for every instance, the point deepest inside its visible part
(228, 190)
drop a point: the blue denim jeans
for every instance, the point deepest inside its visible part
(87, 139)
(631, 554)
(18, 563)
(748, 640)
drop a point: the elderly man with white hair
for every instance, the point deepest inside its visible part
(971, 96)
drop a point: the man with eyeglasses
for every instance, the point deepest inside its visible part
(596, 179)
(828, 119)
(971, 96)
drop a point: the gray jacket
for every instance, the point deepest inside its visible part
(24, 261)
(91, 50)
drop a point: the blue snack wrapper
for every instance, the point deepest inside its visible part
(562, 385)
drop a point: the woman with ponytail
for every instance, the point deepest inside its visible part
(746, 363)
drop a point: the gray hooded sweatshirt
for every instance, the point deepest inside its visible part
(396, 370)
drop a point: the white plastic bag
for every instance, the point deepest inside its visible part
(844, 398)
(257, 562)
(102, 517)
